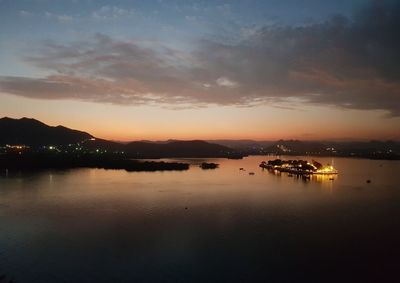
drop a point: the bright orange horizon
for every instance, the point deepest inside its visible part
(124, 123)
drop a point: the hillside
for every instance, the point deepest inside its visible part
(195, 148)
(35, 133)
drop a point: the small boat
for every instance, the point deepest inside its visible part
(252, 173)
(241, 169)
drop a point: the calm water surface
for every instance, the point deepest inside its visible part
(223, 225)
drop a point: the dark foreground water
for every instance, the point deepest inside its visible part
(224, 225)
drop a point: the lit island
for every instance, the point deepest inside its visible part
(299, 167)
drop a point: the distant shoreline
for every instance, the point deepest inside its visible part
(60, 161)
(31, 162)
(366, 156)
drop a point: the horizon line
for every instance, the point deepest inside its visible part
(343, 139)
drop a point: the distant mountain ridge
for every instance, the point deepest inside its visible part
(193, 148)
(367, 149)
(34, 133)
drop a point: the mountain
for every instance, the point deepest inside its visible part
(251, 147)
(366, 149)
(246, 147)
(195, 148)
(35, 133)
(243, 144)
(297, 147)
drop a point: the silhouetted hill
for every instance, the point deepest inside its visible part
(297, 147)
(102, 144)
(366, 149)
(243, 144)
(195, 148)
(35, 133)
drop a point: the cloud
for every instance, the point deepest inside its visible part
(104, 13)
(24, 13)
(111, 12)
(348, 63)
(60, 18)
(226, 82)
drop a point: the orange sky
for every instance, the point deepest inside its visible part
(125, 123)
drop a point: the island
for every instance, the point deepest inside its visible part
(299, 167)
(39, 161)
(210, 165)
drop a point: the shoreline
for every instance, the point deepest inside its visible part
(30, 162)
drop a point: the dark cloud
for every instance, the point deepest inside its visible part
(351, 63)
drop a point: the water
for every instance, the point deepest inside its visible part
(223, 225)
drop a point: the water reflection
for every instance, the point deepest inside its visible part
(224, 225)
(304, 177)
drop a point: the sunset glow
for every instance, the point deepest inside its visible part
(199, 141)
(202, 71)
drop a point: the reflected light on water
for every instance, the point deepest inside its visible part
(94, 225)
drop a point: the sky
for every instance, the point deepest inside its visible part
(264, 70)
